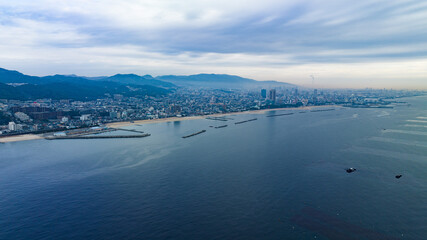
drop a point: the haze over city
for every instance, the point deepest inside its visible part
(342, 44)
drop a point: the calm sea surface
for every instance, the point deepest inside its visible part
(277, 177)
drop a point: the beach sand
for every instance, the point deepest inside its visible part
(18, 138)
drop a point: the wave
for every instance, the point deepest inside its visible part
(399, 141)
(406, 132)
(388, 154)
(417, 121)
(414, 125)
(383, 114)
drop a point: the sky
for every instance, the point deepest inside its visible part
(342, 44)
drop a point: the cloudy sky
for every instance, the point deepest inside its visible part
(364, 43)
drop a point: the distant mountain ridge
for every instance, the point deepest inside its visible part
(11, 76)
(136, 79)
(219, 81)
(166, 81)
(69, 87)
(78, 87)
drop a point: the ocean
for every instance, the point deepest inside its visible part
(280, 177)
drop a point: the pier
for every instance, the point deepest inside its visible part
(194, 134)
(246, 121)
(98, 137)
(129, 130)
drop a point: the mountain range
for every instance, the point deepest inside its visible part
(15, 85)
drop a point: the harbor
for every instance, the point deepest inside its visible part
(94, 133)
(98, 137)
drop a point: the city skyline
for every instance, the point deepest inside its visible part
(338, 44)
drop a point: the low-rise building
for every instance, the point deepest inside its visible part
(12, 126)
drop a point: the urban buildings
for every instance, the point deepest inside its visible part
(264, 93)
(12, 126)
(272, 95)
(43, 115)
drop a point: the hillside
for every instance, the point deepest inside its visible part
(66, 90)
(219, 81)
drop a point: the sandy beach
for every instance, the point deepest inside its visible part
(18, 138)
(173, 119)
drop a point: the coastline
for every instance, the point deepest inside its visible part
(174, 119)
(26, 137)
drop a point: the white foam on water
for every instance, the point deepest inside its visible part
(399, 141)
(414, 125)
(383, 114)
(388, 154)
(422, 117)
(417, 121)
(405, 132)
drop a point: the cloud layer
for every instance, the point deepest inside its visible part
(343, 43)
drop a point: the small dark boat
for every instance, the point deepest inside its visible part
(350, 170)
(398, 176)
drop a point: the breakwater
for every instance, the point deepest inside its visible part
(246, 121)
(323, 110)
(194, 134)
(366, 106)
(283, 114)
(129, 130)
(217, 118)
(98, 137)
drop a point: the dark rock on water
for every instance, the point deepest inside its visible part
(398, 176)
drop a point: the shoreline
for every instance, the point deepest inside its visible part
(174, 119)
(29, 136)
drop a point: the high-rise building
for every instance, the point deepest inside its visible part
(315, 96)
(264, 93)
(272, 95)
(12, 126)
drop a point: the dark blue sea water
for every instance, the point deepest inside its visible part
(275, 178)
